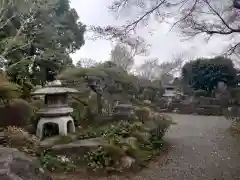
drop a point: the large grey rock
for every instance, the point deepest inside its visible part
(77, 148)
(15, 165)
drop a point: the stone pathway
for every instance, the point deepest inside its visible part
(202, 149)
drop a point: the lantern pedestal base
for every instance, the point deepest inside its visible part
(65, 125)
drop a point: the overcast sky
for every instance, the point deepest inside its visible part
(164, 44)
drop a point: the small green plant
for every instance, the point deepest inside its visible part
(99, 160)
(57, 163)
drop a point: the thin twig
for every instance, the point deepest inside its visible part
(133, 25)
(186, 16)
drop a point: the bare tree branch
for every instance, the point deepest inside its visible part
(221, 18)
(134, 24)
(192, 23)
(187, 15)
(7, 21)
(233, 49)
(6, 53)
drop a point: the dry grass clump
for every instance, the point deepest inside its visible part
(20, 139)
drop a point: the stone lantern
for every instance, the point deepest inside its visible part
(57, 110)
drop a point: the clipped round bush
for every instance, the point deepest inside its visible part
(143, 113)
(200, 93)
(18, 113)
(159, 125)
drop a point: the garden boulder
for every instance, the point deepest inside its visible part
(15, 165)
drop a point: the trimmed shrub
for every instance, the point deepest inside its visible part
(161, 103)
(18, 113)
(187, 108)
(200, 93)
(205, 100)
(209, 110)
(143, 113)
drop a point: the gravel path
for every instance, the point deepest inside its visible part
(203, 149)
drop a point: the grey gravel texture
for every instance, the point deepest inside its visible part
(202, 149)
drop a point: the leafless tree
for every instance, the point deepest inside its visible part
(174, 65)
(86, 63)
(168, 70)
(148, 69)
(194, 17)
(116, 34)
(123, 57)
(165, 71)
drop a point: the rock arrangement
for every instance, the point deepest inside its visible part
(15, 165)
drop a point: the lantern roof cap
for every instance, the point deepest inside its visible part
(54, 87)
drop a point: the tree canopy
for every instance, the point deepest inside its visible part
(206, 73)
(36, 38)
(108, 78)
